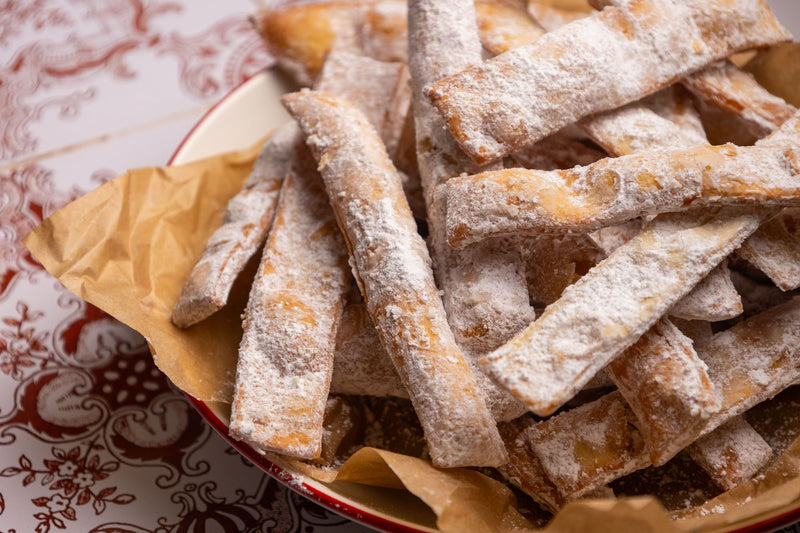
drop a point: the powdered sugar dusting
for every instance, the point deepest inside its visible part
(754, 360)
(382, 91)
(775, 250)
(360, 364)
(286, 352)
(583, 449)
(593, 64)
(635, 128)
(668, 388)
(715, 298)
(392, 266)
(731, 454)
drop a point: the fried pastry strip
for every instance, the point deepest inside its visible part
(484, 289)
(584, 448)
(300, 35)
(736, 91)
(611, 191)
(667, 387)
(610, 307)
(754, 360)
(360, 364)
(525, 94)
(635, 128)
(382, 90)
(245, 223)
(731, 454)
(523, 468)
(775, 250)
(392, 268)
(286, 353)
(714, 299)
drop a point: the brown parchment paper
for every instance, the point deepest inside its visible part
(128, 246)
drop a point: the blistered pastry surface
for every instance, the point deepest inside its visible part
(593, 64)
(613, 191)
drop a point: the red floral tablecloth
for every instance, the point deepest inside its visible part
(92, 436)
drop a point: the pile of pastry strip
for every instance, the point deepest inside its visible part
(580, 234)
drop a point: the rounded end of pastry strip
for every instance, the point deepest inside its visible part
(480, 148)
(187, 314)
(520, 385)
(483, 449)
(195, 303)
(288, 444)
(289, 100)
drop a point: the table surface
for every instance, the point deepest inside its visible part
(92, 436)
